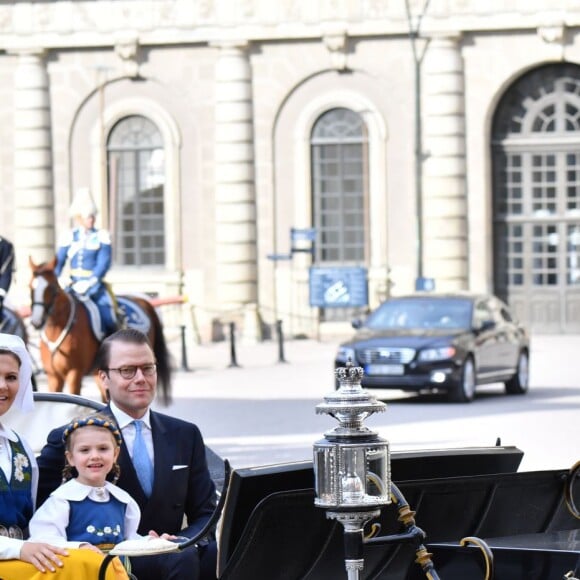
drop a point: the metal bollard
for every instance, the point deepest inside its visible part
(280, 335)
(233, 360)
(184, 366)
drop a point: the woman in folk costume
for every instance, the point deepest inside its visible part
(20, 558)
(89, 253)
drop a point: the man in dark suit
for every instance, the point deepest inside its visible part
(6, 268)
(175, 452)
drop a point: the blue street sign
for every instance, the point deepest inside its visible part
(302, 234)
(426, 284)
(338, 287)
(278, 257)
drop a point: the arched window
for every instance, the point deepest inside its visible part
(536, 167)
(339, 187)
(136, 172)
(339, 194)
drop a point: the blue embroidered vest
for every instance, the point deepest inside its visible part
(16, 495)
(96, 522)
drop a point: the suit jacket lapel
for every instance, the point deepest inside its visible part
(163, 451)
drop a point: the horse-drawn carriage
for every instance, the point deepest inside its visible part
(269, 527)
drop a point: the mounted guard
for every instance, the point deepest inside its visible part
(10, 320)
(6, 268)
(89, 253)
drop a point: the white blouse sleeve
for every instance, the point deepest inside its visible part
(10, 548)
(49, 523)
(132, 519)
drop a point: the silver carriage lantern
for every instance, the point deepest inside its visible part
(351, 464)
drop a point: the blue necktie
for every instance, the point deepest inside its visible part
(141, 460)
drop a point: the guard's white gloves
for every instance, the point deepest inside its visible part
(82, 286)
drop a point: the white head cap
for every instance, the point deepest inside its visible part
(83, 203)
(24, 399)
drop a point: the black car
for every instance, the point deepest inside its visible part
(440, 342)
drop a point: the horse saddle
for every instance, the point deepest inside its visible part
(133, 314)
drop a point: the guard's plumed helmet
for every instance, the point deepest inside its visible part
(83, 204)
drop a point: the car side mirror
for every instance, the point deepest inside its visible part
(357, 323)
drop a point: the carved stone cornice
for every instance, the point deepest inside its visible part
(77, 23)
(239, 43)
(35, 51)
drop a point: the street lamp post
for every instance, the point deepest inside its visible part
(419, 155)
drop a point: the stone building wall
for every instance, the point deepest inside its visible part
(235, 88)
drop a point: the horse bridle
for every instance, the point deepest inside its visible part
(47, 307)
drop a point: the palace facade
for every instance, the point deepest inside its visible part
(218, 136)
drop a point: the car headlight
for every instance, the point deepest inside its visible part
(433, 354)
(344, 354)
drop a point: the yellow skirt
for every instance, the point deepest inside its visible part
(78, 564)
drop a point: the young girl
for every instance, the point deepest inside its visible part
(22, 559)
(88, 509)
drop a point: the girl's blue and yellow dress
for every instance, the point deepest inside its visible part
(76, 513)
(18, 484)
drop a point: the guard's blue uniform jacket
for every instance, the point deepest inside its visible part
(6, 265)
(89, 254)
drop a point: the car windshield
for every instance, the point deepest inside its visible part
(422, 313)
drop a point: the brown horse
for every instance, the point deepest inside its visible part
(67, 342)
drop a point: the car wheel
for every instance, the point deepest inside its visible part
(519, 383)
(464, 390)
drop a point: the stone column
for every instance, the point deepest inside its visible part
(445, 233)
(33, 184)
(236, 259)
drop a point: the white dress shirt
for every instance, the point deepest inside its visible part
(125, 423)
